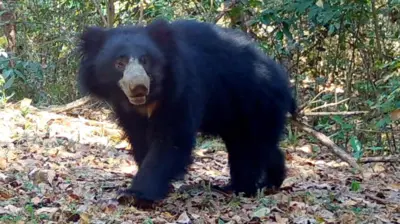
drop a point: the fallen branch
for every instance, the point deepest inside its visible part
(69, 106)
(334, 113)
(376, 159)
(328, 105)
(325, 140)
(375, 198)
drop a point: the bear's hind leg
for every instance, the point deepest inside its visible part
(245, 166)
(274, 167)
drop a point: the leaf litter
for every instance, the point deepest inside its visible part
(63, 168)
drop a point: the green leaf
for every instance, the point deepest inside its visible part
(355, 186)
(356, 145)
(347, 126)
(314, 12)
(383, 122)
(236, 11)
(286, 31)
(337, 25)
(327, 96)
(18, 73)
(9, 82)
(268, 16)
(279, 35)
(303, 6)
(338, 119)
(7, 73)
(331, 29)
(262, 212)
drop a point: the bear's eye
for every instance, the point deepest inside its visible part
(120, 64)
(143, 59)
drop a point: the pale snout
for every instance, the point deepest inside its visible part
(135, 83)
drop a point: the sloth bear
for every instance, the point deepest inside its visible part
(167, 81)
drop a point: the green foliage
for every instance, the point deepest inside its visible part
(355, 186)
(337, 41)
(148, 221)
(11, 218)
(322, 43)
(261, 212)
(356, 146)
(45, 64)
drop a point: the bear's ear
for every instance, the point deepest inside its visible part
(162, 34)
(91, 40)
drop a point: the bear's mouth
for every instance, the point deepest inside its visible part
(138, 99)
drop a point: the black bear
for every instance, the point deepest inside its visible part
(167, 81)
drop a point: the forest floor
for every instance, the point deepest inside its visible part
(62, 168)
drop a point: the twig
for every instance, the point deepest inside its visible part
(98, 8)
(227, 9)
(329, 105)
(69, 106)
(393, 138)
(334, 113)
(379, 200)
(325, 140)
(309, 102)
(376, 159)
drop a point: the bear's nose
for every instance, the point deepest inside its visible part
(138, 90)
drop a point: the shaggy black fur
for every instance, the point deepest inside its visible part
(203, 78)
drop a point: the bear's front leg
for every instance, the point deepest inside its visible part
(169, 154)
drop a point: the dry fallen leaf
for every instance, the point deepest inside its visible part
(11, 209)
(5, 193)
(395, 115)
(75, 166)
(348, 218)
(46, 210)
(3, 163)
(280, 220)
(42, 176)
(305, 148)
(296, 205)
(183, 219)
(84, 218)
(36, 200)
(394, 186)
(110, 208)
(326, 215)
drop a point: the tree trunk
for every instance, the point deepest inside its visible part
(110, 13)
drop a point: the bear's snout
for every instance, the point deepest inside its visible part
(138, 90)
